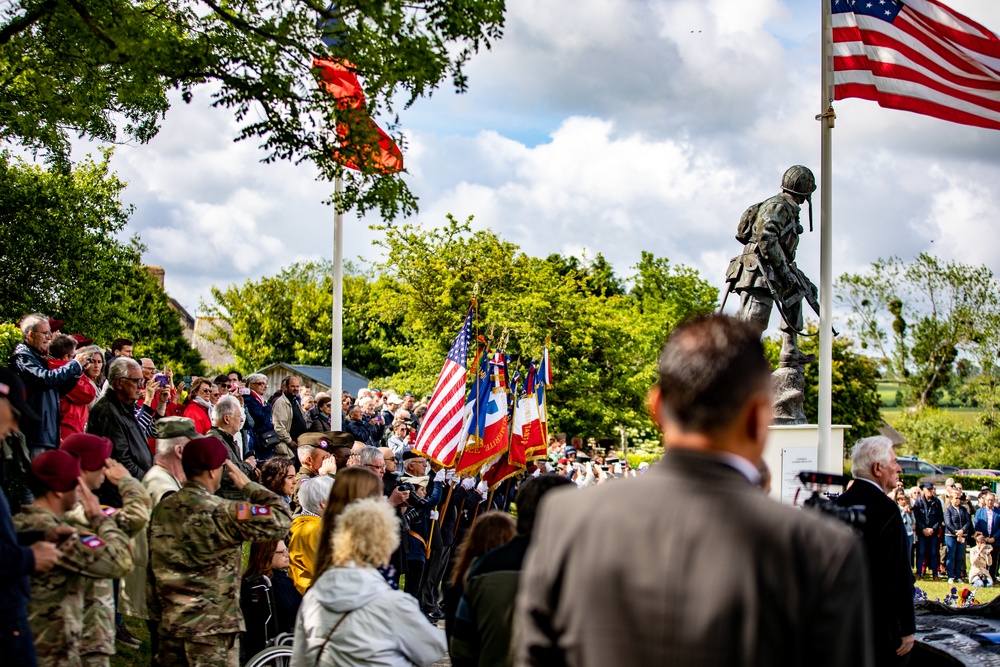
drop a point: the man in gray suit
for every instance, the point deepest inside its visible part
(691, 564)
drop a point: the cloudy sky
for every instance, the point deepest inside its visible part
(608, 126)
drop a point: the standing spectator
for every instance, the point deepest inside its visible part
(484, 620)
(419, 536)
(352, 484)
(875, 470)
(987, 522)
(957, 528)
(359, 428)
(286, 414)
(278, 476)
(194, 547)
(399, 441)
(267, 559)
(260, 412)
(45, 386)
(121, 347)
(930, 516)
(113, 417)
(352, 616)
(199, 405)
(306, 529)
(74, 407)
(909, 523)
(318, 417)
(491, 530)
(765, 585)
(227, 419)
(95, 372)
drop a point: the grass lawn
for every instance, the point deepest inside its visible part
(126, 656)
(962, 415)
(939, 589)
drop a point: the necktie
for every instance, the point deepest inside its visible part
(989, 521)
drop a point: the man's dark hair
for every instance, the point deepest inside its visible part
(323, 401)
(119, 343)
(576, 441)
(61, 345)
(285, 380)
(239, 376)
(709, 368)
(221, 380)
(530, 494)
(191, 473)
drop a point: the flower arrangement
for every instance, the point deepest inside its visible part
(964, 598)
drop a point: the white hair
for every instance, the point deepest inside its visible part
(226, 405)
(313, 492)
(119, 368)
(867, 452)
(29, 322)
(165, 446)
(254, 377)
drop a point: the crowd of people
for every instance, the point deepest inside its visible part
(953, 537)
(225, 515)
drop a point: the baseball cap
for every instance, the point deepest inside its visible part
(927, 485)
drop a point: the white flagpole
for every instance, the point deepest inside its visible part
(337, 344)
(826, 117)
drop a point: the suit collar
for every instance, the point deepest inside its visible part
(700, 463)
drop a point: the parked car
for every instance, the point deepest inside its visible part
(949, 470)
(979, 472)
(913, 466)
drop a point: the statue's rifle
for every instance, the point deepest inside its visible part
(778, 297)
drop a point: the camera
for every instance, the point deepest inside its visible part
(162, 379)
(816, 482)
(406, 486)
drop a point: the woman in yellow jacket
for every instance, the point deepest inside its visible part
(304, 543)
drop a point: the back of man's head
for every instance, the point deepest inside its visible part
(709, 368)
(867, 452)
(530, 495)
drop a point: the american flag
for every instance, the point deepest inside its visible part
(440, 435)
(919, 56)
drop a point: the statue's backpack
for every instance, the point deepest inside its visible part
(744, 231)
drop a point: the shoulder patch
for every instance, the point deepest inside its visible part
(92, 541)
(242, 511)
(260, 510)
(108, 511)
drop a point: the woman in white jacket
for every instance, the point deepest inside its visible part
(351, 616)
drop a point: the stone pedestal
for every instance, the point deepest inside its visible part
(789, 386)
(793, 448)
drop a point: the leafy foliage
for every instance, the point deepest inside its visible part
(103, 68)
(61, 255)
(400, 321)
(855, 397)
(938, 437)
(937, 312)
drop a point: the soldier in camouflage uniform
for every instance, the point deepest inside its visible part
(56, 610)
(97, 644)
(194, 548)
(765, 272)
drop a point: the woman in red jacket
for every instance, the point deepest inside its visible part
(199, 405)
(74, 407)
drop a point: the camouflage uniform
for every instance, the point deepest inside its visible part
(97, 644)
(56, 609)
(194, 548)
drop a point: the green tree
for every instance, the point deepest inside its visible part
(103, 68)
(856, 401)
(287, 318)
(61, 255)
(936, 311)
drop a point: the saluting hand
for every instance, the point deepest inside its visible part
(329, 466)
(115, 471)
(239, 479)
(91, 505)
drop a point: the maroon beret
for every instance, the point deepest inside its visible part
(92, 450)
(56, 469)
(204, 453)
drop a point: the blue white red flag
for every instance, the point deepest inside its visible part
(487, 432)
(919, 56)
(440, 435)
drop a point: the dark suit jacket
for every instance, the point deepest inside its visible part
(689, 564)
(891, 594)
(981, 525)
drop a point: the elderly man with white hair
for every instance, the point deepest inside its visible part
(227, 420)
(875, 470)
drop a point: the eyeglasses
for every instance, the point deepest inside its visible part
(375, 467)
(139, 382)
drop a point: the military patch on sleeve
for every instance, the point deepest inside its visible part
(92, 541)
(108, 511)
(242, 511)
(258, 510)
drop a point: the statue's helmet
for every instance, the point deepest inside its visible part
(799, 180)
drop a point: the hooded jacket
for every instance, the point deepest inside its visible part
(383, 627)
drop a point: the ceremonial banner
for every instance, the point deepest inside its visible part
(526, 430)
(440, 434)
(919, 56)
(376, 151)
(487, 433)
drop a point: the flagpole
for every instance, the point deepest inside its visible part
(826, 118)
(336, 321)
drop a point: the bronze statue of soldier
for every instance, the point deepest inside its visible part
(765, 275)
